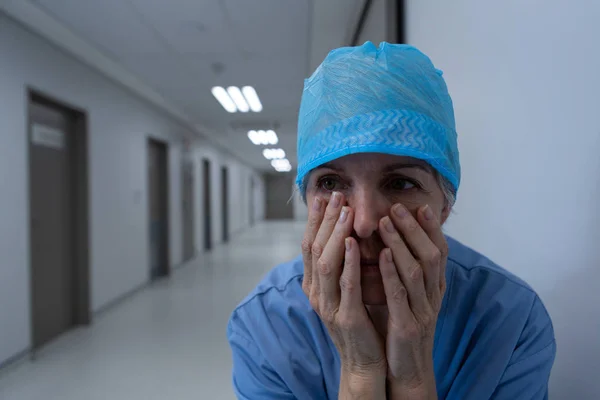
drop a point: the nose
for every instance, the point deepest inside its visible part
(369, 207)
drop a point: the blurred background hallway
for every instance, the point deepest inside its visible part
(166, 341)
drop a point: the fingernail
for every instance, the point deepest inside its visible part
(388, 225)
(387, 253)
(400, 211)
(348, 243)
(335, 199)
(343, 215)
(317, 204)
(428, 213)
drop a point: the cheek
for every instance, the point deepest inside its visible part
(412, 200)
(415, 200)
(412, 203)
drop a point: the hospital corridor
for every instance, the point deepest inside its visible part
(299, 199)
(166, 341)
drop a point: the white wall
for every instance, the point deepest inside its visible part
(260, 200)
(239, 198)
(525, 83)
(119, 125)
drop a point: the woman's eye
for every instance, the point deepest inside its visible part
(401, 184)
(328, 184)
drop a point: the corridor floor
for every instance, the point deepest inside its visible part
(165, 342)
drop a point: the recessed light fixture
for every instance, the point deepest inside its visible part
(272, 137)
(273, 154)
(253, 136)
(263, 137)
(252, 98)
(281, 165)
(223, 98)
(238, 98)
(235, 99)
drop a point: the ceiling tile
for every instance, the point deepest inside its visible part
(187, 26)
(163, 72)
(110, 24)
(265, 26)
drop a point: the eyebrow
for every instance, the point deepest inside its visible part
(387, 169)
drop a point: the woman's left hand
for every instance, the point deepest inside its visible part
(413, 268)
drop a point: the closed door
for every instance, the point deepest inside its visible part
(158, 209)
(52, 222)
(206, 205)
(224, 203)
(251, 202)
(279, 188)
(187, 196)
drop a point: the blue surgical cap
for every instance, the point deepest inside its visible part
(388, 99)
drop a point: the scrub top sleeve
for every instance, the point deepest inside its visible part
(253, 377)
(527, 375)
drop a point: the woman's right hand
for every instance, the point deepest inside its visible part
(332, 283)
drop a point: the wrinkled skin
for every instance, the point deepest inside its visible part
(374, 266)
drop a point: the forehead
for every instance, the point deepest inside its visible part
(373, 162)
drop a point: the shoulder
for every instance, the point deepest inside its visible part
(472, 277)
(277, 295)
(277, 341)
(277, 302)
(277, 326)
(489, 301)
(277, 281)
(470, 263)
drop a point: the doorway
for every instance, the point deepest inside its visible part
(279, 188)
(187, 197)
(206, 204)
(251, 202)
(224, 203)
(58, 209)
(158, 196)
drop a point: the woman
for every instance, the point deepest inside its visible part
(381, 305)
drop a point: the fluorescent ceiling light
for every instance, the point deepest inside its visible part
(272, 137)
(273, 154)
(281, 165)
(252, 98)
(253, 136)
(263, 137)
(233, 99)
(223, 98)
(238, 98)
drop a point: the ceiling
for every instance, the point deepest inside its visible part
(182, 48)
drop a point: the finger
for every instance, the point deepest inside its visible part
(422, 247)
(395, 292)
(329, 266)
(350, 289)
(431, 225)
(315, 216)
(330, 218)
(408, 267)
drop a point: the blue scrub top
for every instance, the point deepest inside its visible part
(494, 338)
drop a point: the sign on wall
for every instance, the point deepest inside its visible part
(43, 135)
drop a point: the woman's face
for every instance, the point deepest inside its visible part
(371, 184)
